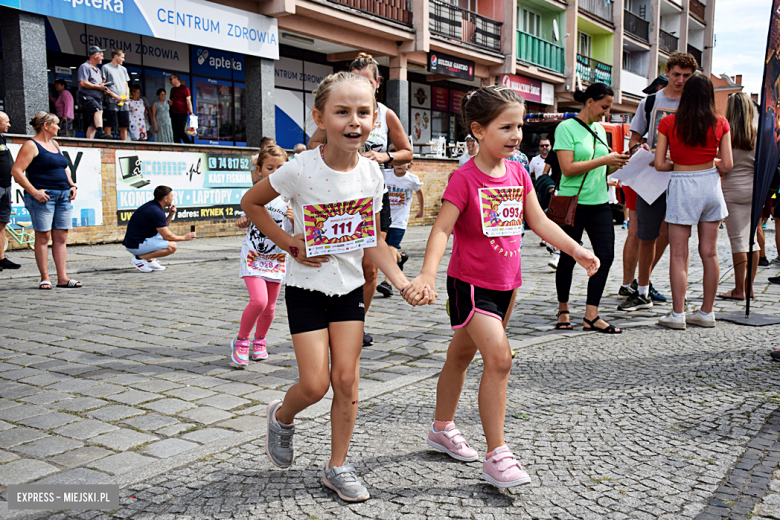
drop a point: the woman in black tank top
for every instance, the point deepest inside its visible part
(49, 192)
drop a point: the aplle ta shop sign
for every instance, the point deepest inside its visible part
(453, 66)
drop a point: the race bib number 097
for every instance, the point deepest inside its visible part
(502, 211)
(339, 227)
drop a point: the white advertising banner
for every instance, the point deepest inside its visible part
(84, 164)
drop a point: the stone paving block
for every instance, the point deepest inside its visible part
(5, 426)
(46, 398)
(169, 406)
(81, 456)
(122, 463)
(6, 456)
(44, 379)
(134, 397)
(205, 382)
(24, 470)
(174, 430)
(114, 413)
(20, 373)
(79, 404)
(150, 422)
(225, 402)
(168, 448)
(265, 396)
(86, 429)
(19, 435)
(79, 476)
(47, 447)
(205, 415)
(235, 389)
(155, 385)
(126, 379)
(122, 439)
(7, 403)
(73, 385)
(207, 435)
(190, 393)
(102, 390)
(17, 413)
(245, 423)
(49, 421)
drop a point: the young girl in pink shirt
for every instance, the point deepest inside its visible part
(483, 272)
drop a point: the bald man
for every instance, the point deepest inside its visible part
(6, 161)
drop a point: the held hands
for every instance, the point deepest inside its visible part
(297, 249)
(41, 196)
(420, 291)
(616, 160)
(586, 259)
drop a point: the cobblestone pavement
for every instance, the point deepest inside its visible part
(127, 380)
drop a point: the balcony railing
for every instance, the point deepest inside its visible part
(593, 71)
(540, 52)
(636, 26)
(667, 42)
(600, 8)
(453, 22)
(697, 8)
(696, 53)
(395, 10)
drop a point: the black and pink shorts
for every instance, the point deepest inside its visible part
(466, 299)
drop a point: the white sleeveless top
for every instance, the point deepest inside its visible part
(378, 138)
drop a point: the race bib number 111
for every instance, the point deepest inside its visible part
(339, 227)
(502, 211)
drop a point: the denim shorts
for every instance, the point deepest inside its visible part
(53, 214)
(150, 245)
(394, 237)
(694, 197)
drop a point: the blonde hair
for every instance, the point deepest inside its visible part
(364, 60)
(270, 151)
(332, 82)
(41, 118)
(740, 113)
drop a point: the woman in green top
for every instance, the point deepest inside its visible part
(580, 153)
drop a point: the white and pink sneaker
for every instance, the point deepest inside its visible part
(502, 469)
(452, 442)
(258, 349)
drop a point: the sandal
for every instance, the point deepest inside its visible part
(45, 285)
(71, 284)
(608, 330)
(728, 296)
(564, 325)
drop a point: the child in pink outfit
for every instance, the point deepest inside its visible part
(262, 268)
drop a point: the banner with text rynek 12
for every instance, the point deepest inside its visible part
(186, 21)
(205, 186)
(84, 166)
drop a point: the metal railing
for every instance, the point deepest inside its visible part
(666, 41)
(635, 25)
(696, 53)
(461, 24)
(532, 49)
(697, 8)
(593, 71)
(396, 10)
(600, 8)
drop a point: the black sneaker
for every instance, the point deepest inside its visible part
(402, 261)
(384, 289)
(774, 279)
(367, 340)
(775, 355)
(636, 302)
(7, 264)
(104, 136)
(763, 262)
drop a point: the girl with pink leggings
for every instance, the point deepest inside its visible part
(261, 267)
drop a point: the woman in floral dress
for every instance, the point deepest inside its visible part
(137, 109)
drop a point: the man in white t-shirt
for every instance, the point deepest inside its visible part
(537, 164)
(472, 147)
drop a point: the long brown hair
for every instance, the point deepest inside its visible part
(696, 115)
(740, 113)
(485, 104)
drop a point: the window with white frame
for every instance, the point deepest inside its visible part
(529, 21)
(586, 44)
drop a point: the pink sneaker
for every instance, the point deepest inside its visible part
(452, 442)
(258, 349)
(240, 348)
(502, 469)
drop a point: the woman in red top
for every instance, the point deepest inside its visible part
(699, 143)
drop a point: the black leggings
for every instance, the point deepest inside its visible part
(179, 124)
(597, 220)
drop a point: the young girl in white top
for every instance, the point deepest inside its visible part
(485, 203)
(262, 267)
(324, 294)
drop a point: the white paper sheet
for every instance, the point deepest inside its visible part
(638, 175)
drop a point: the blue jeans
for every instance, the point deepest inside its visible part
(53, 214)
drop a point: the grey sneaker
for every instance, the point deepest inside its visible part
(278, 438)
(635, 302)
(345, 482)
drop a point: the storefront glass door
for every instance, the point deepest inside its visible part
(213, 100)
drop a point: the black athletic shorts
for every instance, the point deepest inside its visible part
(384, 215)
(116, 118)
(314, 310)
(89, 105)
(465, 299)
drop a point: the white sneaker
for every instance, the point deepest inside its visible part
(140, 264)
(697, 318)
(155, 266)
(554, 260)
(673, 323)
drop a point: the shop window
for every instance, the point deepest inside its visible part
(213, 102)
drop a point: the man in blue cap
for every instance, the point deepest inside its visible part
(91, 90)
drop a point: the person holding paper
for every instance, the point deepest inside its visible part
(581, 144)
(650, 226)
(699, 142)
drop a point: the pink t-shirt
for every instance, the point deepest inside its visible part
(490, 263)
